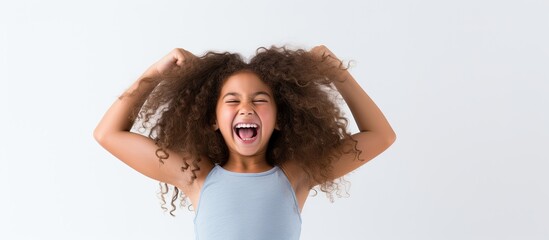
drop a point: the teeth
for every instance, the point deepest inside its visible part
(246, 125)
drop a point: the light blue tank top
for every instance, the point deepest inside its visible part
(247, 206)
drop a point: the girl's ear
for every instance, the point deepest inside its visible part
(277, 127)
(215, 127)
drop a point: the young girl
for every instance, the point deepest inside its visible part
(245, 142)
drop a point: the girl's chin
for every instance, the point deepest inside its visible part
(249, 149)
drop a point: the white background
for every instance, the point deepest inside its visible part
(463, 83)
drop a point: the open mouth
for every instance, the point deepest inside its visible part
(246, 131)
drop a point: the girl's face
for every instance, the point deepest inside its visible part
(246, 114)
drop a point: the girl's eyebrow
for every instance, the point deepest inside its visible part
(253, 95)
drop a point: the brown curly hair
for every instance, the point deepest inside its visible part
(180, 111)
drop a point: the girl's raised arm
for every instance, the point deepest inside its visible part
(375, 135)
(137, 151)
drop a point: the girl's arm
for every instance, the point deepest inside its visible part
(375, 135)
(137, 151)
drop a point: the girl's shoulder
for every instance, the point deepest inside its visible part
(195, 175)
(298, 179)
(296, 175)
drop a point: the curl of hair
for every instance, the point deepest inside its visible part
(180, 112)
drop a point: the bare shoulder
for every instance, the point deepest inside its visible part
(193, 174)
(298, 179)
(187, 173)
(293, 173)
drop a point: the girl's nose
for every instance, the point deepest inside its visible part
(246, 111)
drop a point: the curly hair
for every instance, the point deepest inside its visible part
(180, 111)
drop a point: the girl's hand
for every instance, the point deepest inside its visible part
(171, 64)
(322, 51)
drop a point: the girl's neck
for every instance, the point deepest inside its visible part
(244, 164)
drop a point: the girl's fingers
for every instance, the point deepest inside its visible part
(325, 53)
(173, 62)
(179, 55)
(322, 50)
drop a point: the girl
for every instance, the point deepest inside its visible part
(245, 142)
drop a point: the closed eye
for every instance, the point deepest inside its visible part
(260, 101)
(232, 101)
